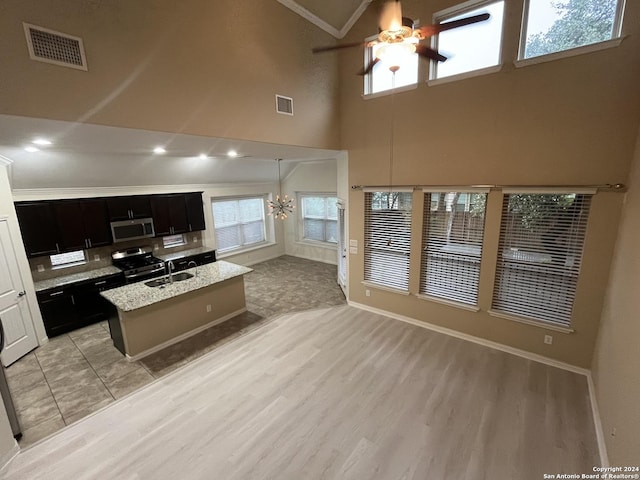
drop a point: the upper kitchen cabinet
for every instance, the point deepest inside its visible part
(38, 227)
(169, 214)
(82, 224)
(125, 208)
(195, 211)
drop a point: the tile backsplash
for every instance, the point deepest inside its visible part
(101, 256)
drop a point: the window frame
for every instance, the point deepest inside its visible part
(614, 41)
(457, 10)
(540, 266)
(455, 300)
(301, 218)
(69, 263)
(392, 286)
(368, 78)
(267, 228)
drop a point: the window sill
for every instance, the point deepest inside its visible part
(384, 93)
(311, 243)
(386, 289)
(450, 303)
(463, 76)
(550, 57)
(240, 251)
(535, 323)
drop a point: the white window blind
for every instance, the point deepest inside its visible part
(319, 217)
(387, 238)
(452, 245)
(238, 222)
(540, 252)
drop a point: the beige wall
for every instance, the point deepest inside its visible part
(617, 357)
(569, 121)
(310, 177)
(198, 67)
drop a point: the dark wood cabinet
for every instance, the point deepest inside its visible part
(82, 224)
(199, 259)
(74, 306)
(129, 207)
(169, 214)
(38, 227)
(195, 211)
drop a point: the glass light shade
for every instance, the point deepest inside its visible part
(395, 54)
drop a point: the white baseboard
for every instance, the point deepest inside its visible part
(184, 336)
(597, 422)
(602, 447)
(7, 457)
(314, 259)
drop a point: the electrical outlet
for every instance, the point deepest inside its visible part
(96, 258)
(367, 292)
(208, 308)
(41, 268)
(156, 247)
(614, 431)
(195, 239)
(548, 339)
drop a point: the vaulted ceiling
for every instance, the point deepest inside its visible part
(333, 16)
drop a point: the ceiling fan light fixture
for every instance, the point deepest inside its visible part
(393, 55)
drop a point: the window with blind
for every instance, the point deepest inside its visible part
(453, 230)
(239, 222)
(540, 252)
(387, 238)
(319, 218)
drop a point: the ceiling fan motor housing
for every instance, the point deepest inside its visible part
(398, 35)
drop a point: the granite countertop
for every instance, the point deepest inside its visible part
(184, 253)
(74, 278)
(137, 295)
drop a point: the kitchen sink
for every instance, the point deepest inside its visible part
(177, 277)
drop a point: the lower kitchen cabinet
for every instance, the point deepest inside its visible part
(200, 259)
(77, 305)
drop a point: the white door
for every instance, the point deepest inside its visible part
(19, 334)
(342, 249)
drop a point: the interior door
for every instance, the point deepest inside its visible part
(19, 333)
(342, 249)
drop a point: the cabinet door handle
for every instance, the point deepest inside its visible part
(57, 248)
(73, 300)
(190, 229)
(89, 241)
(100, 283)
(86, 245)
(55, 294)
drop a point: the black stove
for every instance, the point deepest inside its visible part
(137, 263)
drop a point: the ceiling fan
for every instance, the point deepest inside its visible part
(399, 36)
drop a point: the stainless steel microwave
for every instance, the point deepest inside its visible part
(132, 229)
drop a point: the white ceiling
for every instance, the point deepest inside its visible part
(84, 155)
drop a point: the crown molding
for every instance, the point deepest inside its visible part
(318, 22)
(4, 161)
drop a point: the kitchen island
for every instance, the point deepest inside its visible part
(152, 318)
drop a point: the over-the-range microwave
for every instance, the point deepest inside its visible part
(132, 229)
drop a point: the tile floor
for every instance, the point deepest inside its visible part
(80, 372)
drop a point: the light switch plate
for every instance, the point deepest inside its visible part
(353, 250)
(353, 243)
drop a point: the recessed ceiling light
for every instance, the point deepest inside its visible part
(42, 141)
(203, 156)
(159, 150)
(31, 149)
(232, 153)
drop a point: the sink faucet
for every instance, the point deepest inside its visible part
(170, 268)
(195, 265)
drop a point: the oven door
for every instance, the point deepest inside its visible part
(139, 277)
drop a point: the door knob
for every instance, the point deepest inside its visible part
(22, 293)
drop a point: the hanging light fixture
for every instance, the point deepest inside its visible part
(282, 205)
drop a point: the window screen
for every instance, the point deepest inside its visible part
(540, 252)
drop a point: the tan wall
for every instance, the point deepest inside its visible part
(198, 67)
(569, 121)
(617, 357)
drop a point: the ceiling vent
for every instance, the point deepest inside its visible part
(54, 47)
(284, 105)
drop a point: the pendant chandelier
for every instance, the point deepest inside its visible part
(282, 205)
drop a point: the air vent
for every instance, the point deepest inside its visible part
(54, 47)
(284, 105)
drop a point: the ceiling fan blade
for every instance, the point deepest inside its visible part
(426, 52)
(390, 15)
(367, 70)
(341, 46)
(430, 30)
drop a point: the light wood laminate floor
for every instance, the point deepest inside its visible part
(337, 393)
